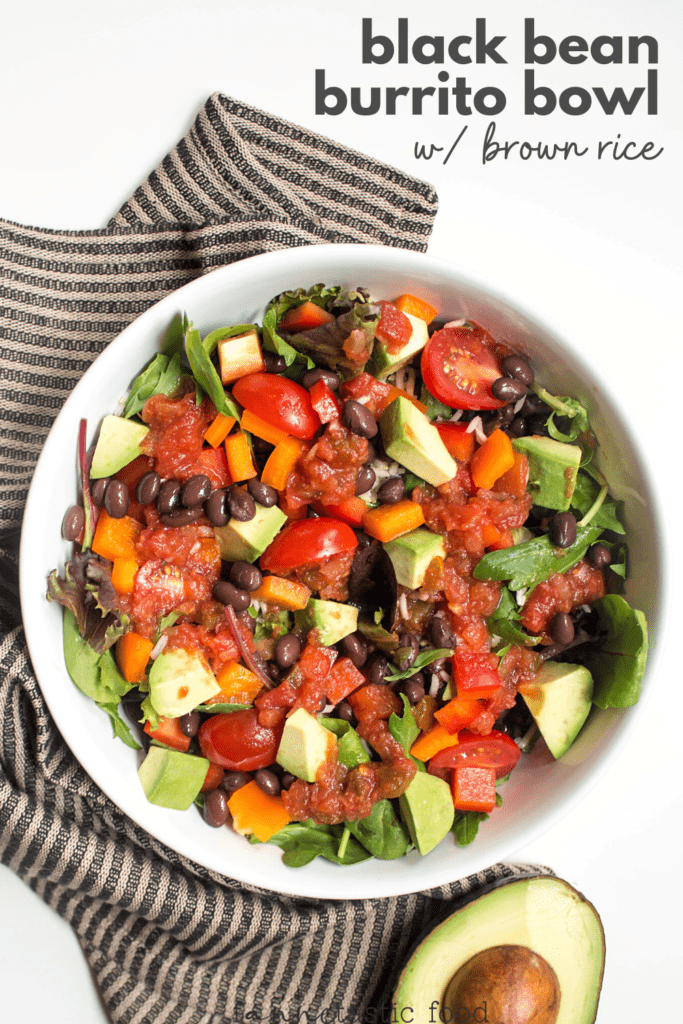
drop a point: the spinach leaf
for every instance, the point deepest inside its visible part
(350, 749)
(211, 340)
(382, 833)
(618, 662)
(502, 623)
(273, 342)
(94, 673)
(423, 659)
(525, 565)
(301, 841)
(206, 375)
(466, 825)
(119, 727)
(586, 491)
(405, 729)
(174, 336)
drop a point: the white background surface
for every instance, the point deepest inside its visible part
(94, 96)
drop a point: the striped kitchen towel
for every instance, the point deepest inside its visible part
(166, 939)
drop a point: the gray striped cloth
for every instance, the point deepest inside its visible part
(167, 940)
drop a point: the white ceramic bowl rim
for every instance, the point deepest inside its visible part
(86, 730)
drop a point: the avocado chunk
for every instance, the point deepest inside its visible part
(179, 680)
(412, 554)
(244, 542)
(544, 915)
(384, 362)
(305, 745)
(553, 466)
(427, 809)
(415, 443)
(117, 445)
(171, 778)
(331, 620)
(559, 698)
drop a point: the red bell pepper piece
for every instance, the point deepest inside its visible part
(305, 317)
(476, 675)
(343, 679)
(474, 789)
(458, 442)
(324, 402)
(169, 733)
(458, 713)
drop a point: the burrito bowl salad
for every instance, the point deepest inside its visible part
(337, 572)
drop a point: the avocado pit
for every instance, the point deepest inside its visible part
(517, 985)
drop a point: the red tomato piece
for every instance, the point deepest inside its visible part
(215, 463)
(213, 779)
(496, 750)
(343, 679)
(305, 317)
(476, 675)
(474, 789)
(350, 511)
(459, 443)
(169, 733)
(372, 702)
(281, 402)
(308, 540)
(131, 474)
(459, 365)
(394, 327)
(238, 742)
(324, 402)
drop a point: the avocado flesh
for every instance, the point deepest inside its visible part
(415, 443)
(305, 745)
(553, 466)
(412, 554)
(118, 444)
(171, 778)
(245, 541)
(559, 697)
(331, 620)
(545, 914)
(179, 680)
(427, 809)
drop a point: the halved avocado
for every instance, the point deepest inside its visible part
(543, 915)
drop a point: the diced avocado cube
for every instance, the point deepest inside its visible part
(553, 466)
(179, 680)
(412, 554)
(385, 362)
(427, 810)
(117, 445)
(305, 745)
(559, 698)
(412, 440)
(331, 620)
(171, 778)
(244, 542)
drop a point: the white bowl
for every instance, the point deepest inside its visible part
(540, 790)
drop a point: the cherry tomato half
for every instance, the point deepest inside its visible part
(308, 540)
(238, 742)
(281, 402)
(496, 750)
(459, 366)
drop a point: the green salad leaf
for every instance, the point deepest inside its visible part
(466, 825)
(206, 374)
(525, 565)
(617, 663)
(502, 623)
(174, 337)
(585, 494)
(274, 342)
(423, 659)
(303, 841)
(382, 833)
(211, 340)
(120, 728)
(350, 749)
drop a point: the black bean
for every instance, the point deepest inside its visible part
(216, 808)
(365, 479)
(195, 491)
(227, 594)
(73, 522)
(492, 421)
(330, 378)
(168, 496)
(515, 366)
(232, 781)
(148, 488)
(287, 780)
(245, 576)
(267, 781)
(562, 529)
(97, 490)
(562, 628)
(392, 491)
(359, 419)
(376, 667)
(538, 424)
(287, 650)
(345, 712)
(189, 723)
(438, 665)
(216, 507)
(364, 539)
(273, 671)
(241, 505)
(273, 362)
(116, 499)
(181, 516)
(440, 633)
(264, 494)
(354, 647)
(600, 556)
(413, 689)
(518, 427)
(372, 454)
(534, 404)
(505, 389)
(409, 645)
(507, 414)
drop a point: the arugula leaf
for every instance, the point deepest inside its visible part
(578, 419)
(206, 375)
(149, 714)
(174, 336)
(119, 727)
(618, 662)
(405, 729)
(423, 659)
(585, 493)
(350, 750)
(382, 833)
(302, 841)
(530, 563)
(502, 623)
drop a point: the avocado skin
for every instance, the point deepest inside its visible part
(542, 912)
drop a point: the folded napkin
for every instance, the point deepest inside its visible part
(166, 939)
